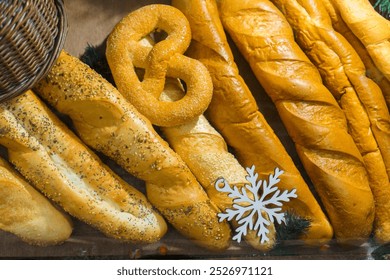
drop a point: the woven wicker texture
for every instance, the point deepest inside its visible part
(32, 33)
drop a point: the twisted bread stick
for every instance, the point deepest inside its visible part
(311, 115)
(56, 162)
(27, 213)
(234, 112)
(111, 125)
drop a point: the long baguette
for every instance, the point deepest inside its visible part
(370, 27)
(360, 98)
(372, 70)
(27, 213)
(111, 125)
(311, 115)
(57, 163)
(234, 112)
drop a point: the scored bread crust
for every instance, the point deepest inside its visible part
(27, 213)
(57, 163)
(106, 121)
(311, 115)
(360, 98)
(234, 113)
(370, 27)
(372, 70)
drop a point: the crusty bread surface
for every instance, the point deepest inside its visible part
(27, 213)
(234, 113)
(57, 163)
(360, 98)
(106, 121)
(310, 113)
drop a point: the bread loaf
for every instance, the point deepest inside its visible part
(360, 98)
(27, 213)
(372, 70)
(111, 125)
(234, 113)
(370, 27)
(311, 115)
(57, 163)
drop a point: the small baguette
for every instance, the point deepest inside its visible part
(311, 115)
(234, 113)
(110, 124)
(27, 213)
(57, 163)
(360, 98)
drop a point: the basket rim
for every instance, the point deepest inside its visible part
(57, 47)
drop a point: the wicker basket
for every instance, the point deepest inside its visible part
(32, 33)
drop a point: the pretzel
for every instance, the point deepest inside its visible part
(125, 52)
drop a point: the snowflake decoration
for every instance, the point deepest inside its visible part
(251, 210)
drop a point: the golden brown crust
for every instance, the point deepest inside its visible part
(371, 70)
(111, 125)
(370, 27)
(359, 97)
(311, 115)
(27, 213)
(234, 113)
(124, 52)
(56, 162)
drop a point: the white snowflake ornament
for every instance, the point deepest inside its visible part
(250, 209)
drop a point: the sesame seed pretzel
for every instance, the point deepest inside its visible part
(125, 52)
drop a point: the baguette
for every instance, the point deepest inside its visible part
(360, 98)
(371, 70)
(311, 115)
(205, 152)
(57, 163)
(108, 123)
(234, 113)
(370, 27)
(27, 213)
